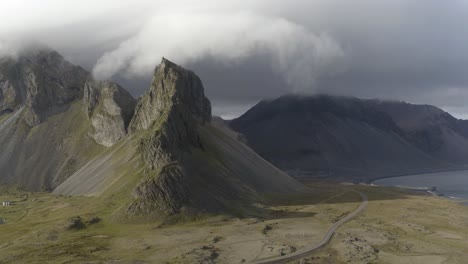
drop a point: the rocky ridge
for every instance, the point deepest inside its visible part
(185, 163)
(43, 81)
(74, 135)
(172, 109)
(110, 109)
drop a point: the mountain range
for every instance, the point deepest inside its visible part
(337, 137)
(64, 132)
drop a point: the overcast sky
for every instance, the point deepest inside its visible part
(245, 51)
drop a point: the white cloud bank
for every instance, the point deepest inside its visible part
(297, 54)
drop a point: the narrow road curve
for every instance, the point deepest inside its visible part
(308, 250)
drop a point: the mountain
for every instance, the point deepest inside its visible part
(430, 129)
(41, 124)
(41, 80)
(344, 137)
(63, 131)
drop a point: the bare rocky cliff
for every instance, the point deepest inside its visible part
(110, 109)
(50, 82)
(174, 159)
(172, 86)
(184, 168)
(8, 95)
(172, 110)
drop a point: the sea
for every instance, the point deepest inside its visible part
(450, 184)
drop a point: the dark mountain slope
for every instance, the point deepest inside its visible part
(432, 130)
(349, 137)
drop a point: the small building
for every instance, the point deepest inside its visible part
(6, 203)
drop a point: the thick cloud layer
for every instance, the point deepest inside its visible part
(248, 50)
(297, 54)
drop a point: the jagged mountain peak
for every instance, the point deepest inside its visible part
(172, 109)
(166, 62)
(172, 87)
(173, 160)
(41, 80)
(184, 154)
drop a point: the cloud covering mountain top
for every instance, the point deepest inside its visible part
(249, 50)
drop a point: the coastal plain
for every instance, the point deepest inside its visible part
(398, 226)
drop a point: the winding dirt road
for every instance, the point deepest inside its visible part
(308, 250)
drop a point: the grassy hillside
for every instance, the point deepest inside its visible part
(224, 176)
(41, 157)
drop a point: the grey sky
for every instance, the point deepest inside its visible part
(248, 50)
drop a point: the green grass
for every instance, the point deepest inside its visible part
(36, 232)
(319, 193)
(4, 117)
(36, 227)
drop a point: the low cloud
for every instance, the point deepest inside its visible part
(7, 49)
(297, 54)
(246, 51)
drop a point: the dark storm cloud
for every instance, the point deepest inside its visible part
(248, 50)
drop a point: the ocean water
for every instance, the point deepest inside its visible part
(452, 184)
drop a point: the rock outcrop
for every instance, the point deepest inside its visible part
(43, 81)
(163, 156)
(51, 82)
(172, 86)
(12, 92)
(190, 164)
(8, 95)
(110, 109)
(165, 192)
(171, 110)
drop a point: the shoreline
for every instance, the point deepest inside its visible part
(371, 181)
(432, 190)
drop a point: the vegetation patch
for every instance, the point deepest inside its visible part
(75, 223)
